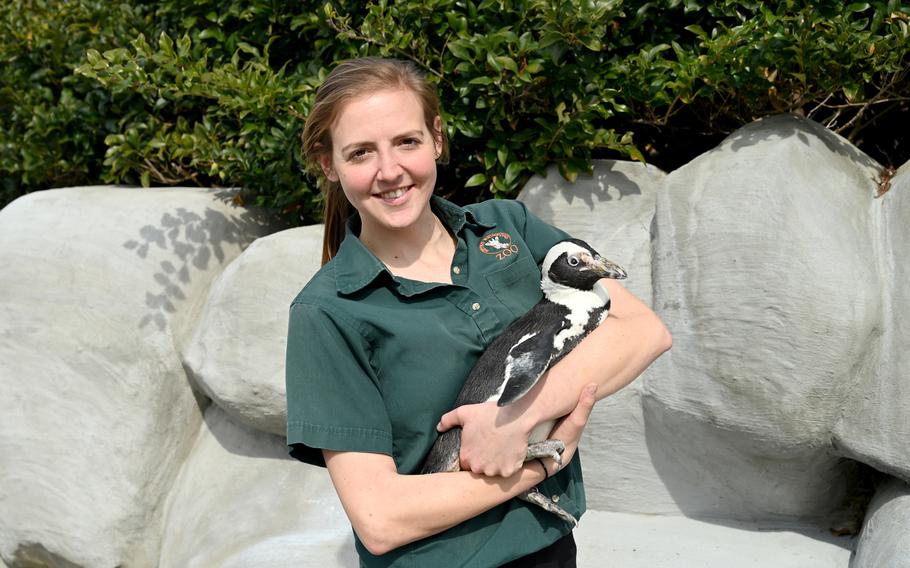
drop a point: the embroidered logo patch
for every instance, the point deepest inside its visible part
(499, 244)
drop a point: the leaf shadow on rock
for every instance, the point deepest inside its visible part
(781, 126)
(605, 184)
(195, 241)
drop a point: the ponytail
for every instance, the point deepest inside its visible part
(335, 212)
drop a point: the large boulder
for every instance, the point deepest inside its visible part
(100, 285)
(766, 271)
(237, 351)
(240, 501)
(874, 423)
(885, 540)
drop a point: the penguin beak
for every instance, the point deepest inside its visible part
(607, 269)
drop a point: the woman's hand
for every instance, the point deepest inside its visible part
(494, 441)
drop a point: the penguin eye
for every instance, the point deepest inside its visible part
(573, 261)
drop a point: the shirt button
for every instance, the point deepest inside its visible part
(556, 498)
(475, 306)
(456, 270)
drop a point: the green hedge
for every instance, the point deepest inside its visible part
(214, 93)
(52, 121)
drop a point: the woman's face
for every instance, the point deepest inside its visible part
(384, 157)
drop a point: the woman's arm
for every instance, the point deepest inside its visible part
(388, 510)
(494, 439)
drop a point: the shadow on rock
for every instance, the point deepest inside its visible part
(195, 242)
(788, 125)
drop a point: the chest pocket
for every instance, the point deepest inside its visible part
(517, 285)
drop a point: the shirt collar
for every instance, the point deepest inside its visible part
(356, 266)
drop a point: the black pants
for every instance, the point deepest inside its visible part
(560, 554)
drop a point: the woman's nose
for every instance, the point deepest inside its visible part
(389, 168)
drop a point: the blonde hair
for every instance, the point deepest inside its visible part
(347, 81)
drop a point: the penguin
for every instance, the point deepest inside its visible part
(573, 304)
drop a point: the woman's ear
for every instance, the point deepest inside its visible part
(437, 135)
(325, 162)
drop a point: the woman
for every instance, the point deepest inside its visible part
(382, 337)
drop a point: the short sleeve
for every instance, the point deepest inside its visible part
(333, 396)
(539, 235)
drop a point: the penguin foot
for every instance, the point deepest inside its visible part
(536, 497)
(546, 449)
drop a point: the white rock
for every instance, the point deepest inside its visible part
(237, 352)
(885, 540)
(762, 272)
(99, 285)
(874, 424)
(241, 501)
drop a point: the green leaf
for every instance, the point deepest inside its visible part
(550, 38)
(475, 180)
(457, 22)
(851, 91)
(247, 48)
(460, 51)
(507, 63)
(166, 44)
(649, 54)
(697, 30)
(592, 43)
(513, 170)
(858, 7)
(94, 57)
(570, 174)
(212, 33)
(494, 62)
(502, 154)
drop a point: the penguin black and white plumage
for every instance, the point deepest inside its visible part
(573, 305)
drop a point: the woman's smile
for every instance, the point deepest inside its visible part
(392, 195)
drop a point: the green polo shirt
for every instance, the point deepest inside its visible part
(373, 361)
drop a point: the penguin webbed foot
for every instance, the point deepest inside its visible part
(546, 449)
(537, 498)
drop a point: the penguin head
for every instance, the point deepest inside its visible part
(572, 263)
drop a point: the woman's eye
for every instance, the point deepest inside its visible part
(410, 142)
(573, 261)
(358, 154)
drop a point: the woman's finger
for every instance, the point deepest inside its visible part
(572, 425)
(582, 410)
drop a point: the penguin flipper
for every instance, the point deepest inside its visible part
(526, 363)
